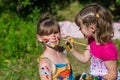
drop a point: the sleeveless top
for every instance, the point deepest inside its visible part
(61, 71)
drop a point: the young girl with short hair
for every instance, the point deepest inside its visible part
(53, 63)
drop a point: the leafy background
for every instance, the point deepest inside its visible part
(19, 48)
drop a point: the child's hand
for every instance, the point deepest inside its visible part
(70, 41)
(69, 44)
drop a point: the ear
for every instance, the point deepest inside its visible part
(39, 38)
(92, 27)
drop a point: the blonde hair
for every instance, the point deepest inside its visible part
(97, 14)
(47, 26)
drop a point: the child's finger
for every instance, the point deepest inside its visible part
(70, 39)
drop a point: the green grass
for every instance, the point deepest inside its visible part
(20, 69)
(19, 48)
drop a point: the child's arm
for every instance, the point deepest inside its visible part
(112, 70)
(84, 57)
(45, 70)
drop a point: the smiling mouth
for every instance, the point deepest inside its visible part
(54, 41)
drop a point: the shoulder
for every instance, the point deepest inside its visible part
(110, 51)
(45, 58)
(110, 46)
(44, 61)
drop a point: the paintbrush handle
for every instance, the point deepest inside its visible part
(77, 42)
(80, 43)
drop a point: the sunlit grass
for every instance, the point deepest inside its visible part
(19, 48)
(20, 69)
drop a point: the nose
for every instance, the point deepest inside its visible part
(53, 36)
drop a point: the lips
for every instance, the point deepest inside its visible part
(54, 41)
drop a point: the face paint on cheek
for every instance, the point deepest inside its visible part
(46, 39)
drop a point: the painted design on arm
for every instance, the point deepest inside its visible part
(45, 71)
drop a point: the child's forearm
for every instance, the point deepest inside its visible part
(83, 58)
(110, 76)
(111, 65)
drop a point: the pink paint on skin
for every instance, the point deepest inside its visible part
(51, 42)
(46, 39)
(47, 68)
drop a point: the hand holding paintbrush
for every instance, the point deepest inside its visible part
(69, 42)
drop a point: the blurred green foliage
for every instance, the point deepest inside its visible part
(118, 1)
(29, 8)
(19, 48)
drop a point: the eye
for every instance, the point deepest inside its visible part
(56, 32)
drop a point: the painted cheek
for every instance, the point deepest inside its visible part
(46, 39)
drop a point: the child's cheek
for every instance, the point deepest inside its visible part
(46, 39)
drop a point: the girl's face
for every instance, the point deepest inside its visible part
(87, 31)
(52, 40)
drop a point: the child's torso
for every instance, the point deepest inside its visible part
(63, 72)
(60, 71)
(99, 54)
